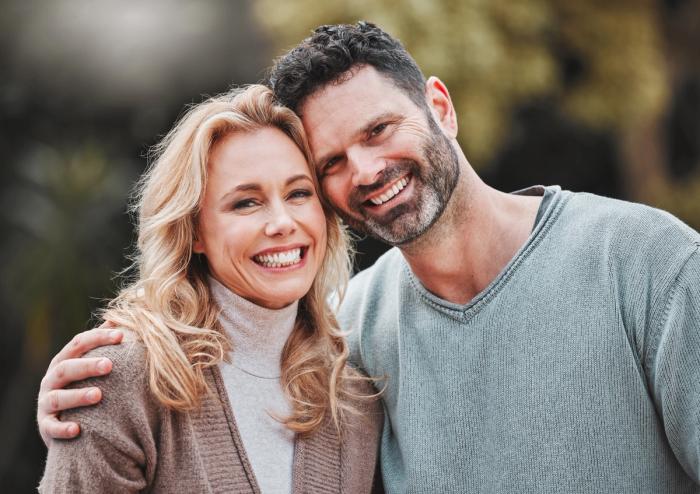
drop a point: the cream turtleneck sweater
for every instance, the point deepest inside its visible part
(252, 382)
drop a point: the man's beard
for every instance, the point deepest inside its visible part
(433, 182)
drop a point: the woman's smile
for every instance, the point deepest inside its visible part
(281, 259)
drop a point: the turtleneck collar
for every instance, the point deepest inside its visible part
(258, 334)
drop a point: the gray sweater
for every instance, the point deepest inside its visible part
(576, 370)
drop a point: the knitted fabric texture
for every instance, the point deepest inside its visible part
(576, 370)
(131, 443)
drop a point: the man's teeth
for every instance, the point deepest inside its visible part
(280, 259)
(389, 194)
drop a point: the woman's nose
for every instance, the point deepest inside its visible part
(280, 222)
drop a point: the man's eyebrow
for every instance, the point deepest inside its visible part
(373, 122)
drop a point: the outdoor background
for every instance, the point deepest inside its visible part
(593, 95)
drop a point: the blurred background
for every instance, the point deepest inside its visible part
(593, 95)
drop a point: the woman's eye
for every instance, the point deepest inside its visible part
(244, 204)
(378, 129)
(300, 194)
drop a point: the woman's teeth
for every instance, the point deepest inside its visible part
(280, 259)
(391, 193)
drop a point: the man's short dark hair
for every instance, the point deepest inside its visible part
(331, 51)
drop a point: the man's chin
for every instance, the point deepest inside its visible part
(401, 231)
(405, 228)
(396, 227)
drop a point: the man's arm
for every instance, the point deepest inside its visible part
(67, 367)
(675, 366)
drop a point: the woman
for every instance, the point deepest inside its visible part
(234, 376)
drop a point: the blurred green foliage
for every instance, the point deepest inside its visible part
(601, 64)
(495, 55)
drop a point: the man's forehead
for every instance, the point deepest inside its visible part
(361, 83)
(336, 111)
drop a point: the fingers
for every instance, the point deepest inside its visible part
(52, 402)
(52, 428)
(71, 370)
(86, 341)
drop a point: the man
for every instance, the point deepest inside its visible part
(542, 341)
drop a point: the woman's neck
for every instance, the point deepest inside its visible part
(258, 334)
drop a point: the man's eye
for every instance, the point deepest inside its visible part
(329, 165)
(378, 129)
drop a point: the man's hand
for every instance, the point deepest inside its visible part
(66, 367)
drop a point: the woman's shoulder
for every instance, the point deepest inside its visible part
(128, 413)
(125, 389)
(116, 446)
(129, 363)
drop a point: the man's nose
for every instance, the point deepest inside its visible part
(366, 165)
(280, 221)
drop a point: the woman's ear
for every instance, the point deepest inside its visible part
(438, 98)
(197, 244)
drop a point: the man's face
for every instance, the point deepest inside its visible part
(383, 163)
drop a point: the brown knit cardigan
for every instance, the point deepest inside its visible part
(129, 442)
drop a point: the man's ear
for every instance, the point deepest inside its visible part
(440, 104)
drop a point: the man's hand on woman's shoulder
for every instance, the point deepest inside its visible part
(69, 366)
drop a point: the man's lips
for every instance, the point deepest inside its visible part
(388, 192)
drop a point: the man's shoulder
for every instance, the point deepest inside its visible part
(638, 241)
(619, 217)
(624, 229)
(373, 281)
(367, 307)
(388, 262)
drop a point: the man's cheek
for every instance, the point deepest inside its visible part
(334, 196)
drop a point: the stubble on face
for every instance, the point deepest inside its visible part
(434, 179)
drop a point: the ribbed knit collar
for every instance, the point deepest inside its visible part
(258, 334)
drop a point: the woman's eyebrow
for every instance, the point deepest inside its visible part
(295, 178)
(241, 188)
(256, 187)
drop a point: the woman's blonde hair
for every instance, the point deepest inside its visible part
(169, 305)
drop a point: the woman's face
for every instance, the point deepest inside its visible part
(261, 225)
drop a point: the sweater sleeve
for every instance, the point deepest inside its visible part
(115, 451)
(92, 463)
(676, 366)
(360, 446)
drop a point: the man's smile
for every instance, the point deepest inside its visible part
(390, 191)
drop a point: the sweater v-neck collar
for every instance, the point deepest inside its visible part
(546, 216)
